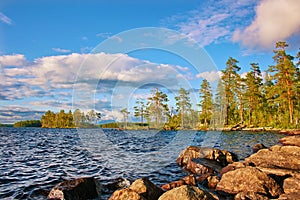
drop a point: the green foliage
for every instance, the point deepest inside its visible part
(110, 125)
(28, 123)
(6, 125)
(140, 110)
(57, 120)
(283, 76)
(230, 80)
(206, 103)
(183, 105)
(174, 123)
(157, 108)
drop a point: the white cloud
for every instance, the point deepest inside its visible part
(13, 60)
(214, 20)
(210, 76)
(47, 76)
(5, 19)
(275, 20)
(112, 115)
(61, 50)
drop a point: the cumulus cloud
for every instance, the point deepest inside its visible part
(61, 50)
(13, 60)
(54, 75)
(5, 19)
(211, 76)
(275, 20)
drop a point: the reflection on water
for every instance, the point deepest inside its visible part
(33, 160)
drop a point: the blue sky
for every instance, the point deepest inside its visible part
(53, 54)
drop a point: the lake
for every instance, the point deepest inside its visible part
(33, 160)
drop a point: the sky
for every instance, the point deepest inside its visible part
(106, 54)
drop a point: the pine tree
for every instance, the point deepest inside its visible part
(253, 93)
(183, 104)
(140, 109)
(158, 107)
(206, 103)
(284, 78)
(230, 79)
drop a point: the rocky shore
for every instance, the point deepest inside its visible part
(269, 173)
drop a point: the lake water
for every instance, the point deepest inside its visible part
(33, 160)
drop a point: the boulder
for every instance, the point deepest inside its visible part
(248, 179)
(210, 164)
(202, 160)
(290, 141)
(80, 188)
(250, 195)
(289, 196)
(292, 184)
(258, 147)
(125, 194)
(283, 157)
(146, 188)
(233, 166)
(186, 192)
(188, 180)
(212, 181)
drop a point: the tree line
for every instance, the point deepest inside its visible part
(254, 100)
(69, 120)
(28, 123)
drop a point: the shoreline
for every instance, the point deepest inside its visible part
(226, 129)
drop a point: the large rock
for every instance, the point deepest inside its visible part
(138, 190)
(212, 181)
(146, 188)
(292, 184)
(188, 180)
(186, 192)
(77, 189)
(201, 160)
(233, 166)
(250, 195)
(290, 141)
(126, 194)
(289, 196)
(248, 179)
(283, 157)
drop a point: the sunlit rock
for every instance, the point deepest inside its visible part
(248, 179)
(186, 192)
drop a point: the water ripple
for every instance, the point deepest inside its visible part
(34, 160)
